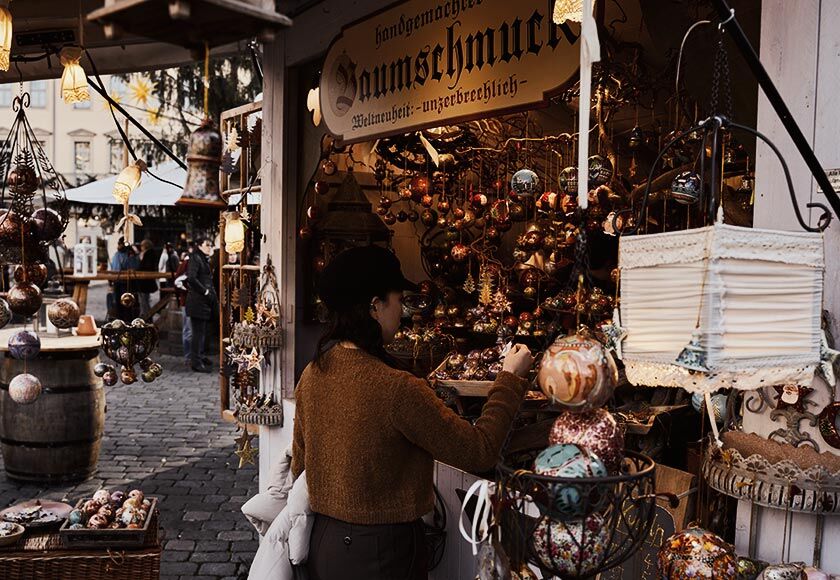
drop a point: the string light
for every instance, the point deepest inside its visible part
(74, 85)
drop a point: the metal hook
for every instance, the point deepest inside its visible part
(724, 22)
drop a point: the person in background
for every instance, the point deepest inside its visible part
(180, 283)
(145, 288)
(368, 488)
(125, 260)
(168, 263)
(201, 302)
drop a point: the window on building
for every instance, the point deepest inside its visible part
(116, 156)
(6, 96)
(81, 156)
(38, 94)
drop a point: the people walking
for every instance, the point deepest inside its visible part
(181, 290)
(145, 288)
(168, 263)
(201, 302)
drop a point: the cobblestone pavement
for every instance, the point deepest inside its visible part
(167, 439)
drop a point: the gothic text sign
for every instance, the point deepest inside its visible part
(423, 63)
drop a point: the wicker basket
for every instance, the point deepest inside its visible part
(256, 336)
(272, 416)
(82, 565)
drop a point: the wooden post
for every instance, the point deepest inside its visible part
(799, 49)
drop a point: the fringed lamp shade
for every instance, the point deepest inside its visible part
(567, 10)
(234, 233)
(743, 304)
(5, 37)
(74, 85)
(127, 181)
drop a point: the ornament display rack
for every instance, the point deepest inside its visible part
(238, 283)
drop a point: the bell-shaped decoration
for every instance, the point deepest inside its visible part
(693, 356)
(204, 158)
(74, 85)
(5, 37)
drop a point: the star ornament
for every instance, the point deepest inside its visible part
(791, 396)
(614, 334)
(254, 359)
(827, 358)
(247, 455)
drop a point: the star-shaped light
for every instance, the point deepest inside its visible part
(799, 393)
(141, 90)
(254, 359)
(827, 357)
(154, 116)
(614, 333)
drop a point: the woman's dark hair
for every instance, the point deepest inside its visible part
(201, 241)
(355, 325)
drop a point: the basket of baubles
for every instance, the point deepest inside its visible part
(582, 504)
(112, 519)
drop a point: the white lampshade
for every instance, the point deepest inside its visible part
(5, 37)
(758, 294)
(128, 180)
(74, 85)
(567, 10)
(234, 233)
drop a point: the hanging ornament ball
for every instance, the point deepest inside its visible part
(24, 389)
(22, 179)
(444, 207)
(460, 252)
(525, 183)
(413, 216)
(46, 224)
(402, 216)
(595, 430)
(101, 368)
(110, 378)
(24, 345)
(419, 186)
(148, 376)
(128, 300)
(517, 212)
(156, 368)
(385, 202)
(427, 200)
(571, 461)
(11, 225)
(428, 217)
(636, 138)
(5, 313)
(574, 549)
(305, 233)
(600, 171)
(313, 213)
(328, 166)
(696, 553)
(128, 376)
(322, 187)
(479, 200)
(63, 313)
(568, 180)
(33, 272)
(389, 219)
(24, 298)
(319, 263)
(577, 373)
(686, 188)
(405, 193)
(532, 240)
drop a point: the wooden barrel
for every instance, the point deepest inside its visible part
(56, 438)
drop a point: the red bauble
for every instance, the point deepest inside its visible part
(479, 200)
(511, 321)
(460, 252)
(529, 277)
(419, 185)
(322, 187)
(444, 207)
(492, 233)
(427, 200)
(328, 167)
(526, 316)
(458, 213)
(22, 180)
(517, 212)
(305, 233)
(532, 241)
(381, 210)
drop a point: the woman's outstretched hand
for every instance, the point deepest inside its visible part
(518, 361)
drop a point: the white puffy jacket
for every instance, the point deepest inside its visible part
(283, 517)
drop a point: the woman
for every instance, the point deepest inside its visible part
(145, 288)
(201, 303)
(367, 434)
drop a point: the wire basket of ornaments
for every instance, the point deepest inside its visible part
(130, 346)
(583, 504)
(264, 330)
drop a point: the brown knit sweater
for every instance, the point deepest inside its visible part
(368, 436)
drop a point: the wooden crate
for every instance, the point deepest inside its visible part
(108, 538)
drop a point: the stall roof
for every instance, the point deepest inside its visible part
(149, 192)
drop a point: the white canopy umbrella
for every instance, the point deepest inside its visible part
(150, 191)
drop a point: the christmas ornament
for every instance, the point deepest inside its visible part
(571, 461)
(129, 345)
(525, 183)
(791, 396)
(33, 272)
(204, 158)
(247, 454)
(686, 188)
(573, 549)
(24, 298)
(696, 553)
(747, 569)
(419, 186)
(719, 401)
(568, 180)
(46, 224)
(596, 431)
(614, 333)
(828, 356)
(389, 219)
(24, 345)
(693, 356)
(783, 572)
(829, 426)
(128, 300)
(24, 389)
(428, 217)
(600, 171)
(63, 313)
(469, 284)
(460, 252)
(11, 226)
(5, 313)
(577, 373)
(305, 233)
(328, 166)
(636, 138)
(22, 179)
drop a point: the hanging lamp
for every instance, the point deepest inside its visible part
(5, 37)
(74, 85)
(234, 235)
(128, 180)
(567, 11)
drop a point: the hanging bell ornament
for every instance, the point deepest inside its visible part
(204, 158)
(686, 188)
(525, 182)
(693, 356)
(600, 171)
(568, 180)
